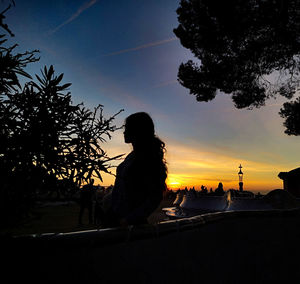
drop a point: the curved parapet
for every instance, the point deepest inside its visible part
(275, 199)
(204, 203)
(178, 199)
(177, 213)
(153, 252)
(246, 204)
(281, 199)
(232, 200)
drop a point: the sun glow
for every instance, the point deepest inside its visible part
(173, 182)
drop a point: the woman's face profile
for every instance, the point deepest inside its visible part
(127, 137)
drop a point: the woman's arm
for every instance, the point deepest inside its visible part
(147, 206)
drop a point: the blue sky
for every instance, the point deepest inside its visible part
(124, 55)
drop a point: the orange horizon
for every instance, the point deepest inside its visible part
(175, 182)
(196, 165)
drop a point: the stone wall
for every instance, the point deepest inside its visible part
(224, 247)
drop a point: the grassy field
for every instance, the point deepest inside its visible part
(64, 218)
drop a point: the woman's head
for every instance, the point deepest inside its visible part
(139, 128)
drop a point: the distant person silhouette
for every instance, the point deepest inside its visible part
(219, 190)
(140, 178)
(86, 201)
(98, 207)
(203, 189)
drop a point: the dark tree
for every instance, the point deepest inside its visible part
(291, 113)
(247, 48)
(84, 155)
(42, 113)
(50, 138)
(2, 17)
(12, 65)
(46, 142)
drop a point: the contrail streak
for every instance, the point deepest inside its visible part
(155, 43)
(81, 9)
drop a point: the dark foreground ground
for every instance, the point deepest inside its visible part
(62, 217)
(234, 247)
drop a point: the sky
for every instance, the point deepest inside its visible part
(123, 54)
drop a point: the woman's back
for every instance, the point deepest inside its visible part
(140, 180)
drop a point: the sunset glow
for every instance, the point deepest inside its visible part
(173, 182)
(133, 66)
(190, 167)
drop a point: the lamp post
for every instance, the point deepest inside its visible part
(240, 173)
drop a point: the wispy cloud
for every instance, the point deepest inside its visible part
(147, 45)
(167, 83)
(80, 10)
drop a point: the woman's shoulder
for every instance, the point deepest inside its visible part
(128, 160)
(130, 156)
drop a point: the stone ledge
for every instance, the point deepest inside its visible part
(104, 237)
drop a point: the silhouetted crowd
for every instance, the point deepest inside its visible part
(204, 191)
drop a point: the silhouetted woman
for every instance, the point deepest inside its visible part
(140, 179)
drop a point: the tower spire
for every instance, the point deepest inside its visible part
(241, 174)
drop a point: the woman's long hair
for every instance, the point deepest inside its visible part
(139, 128)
